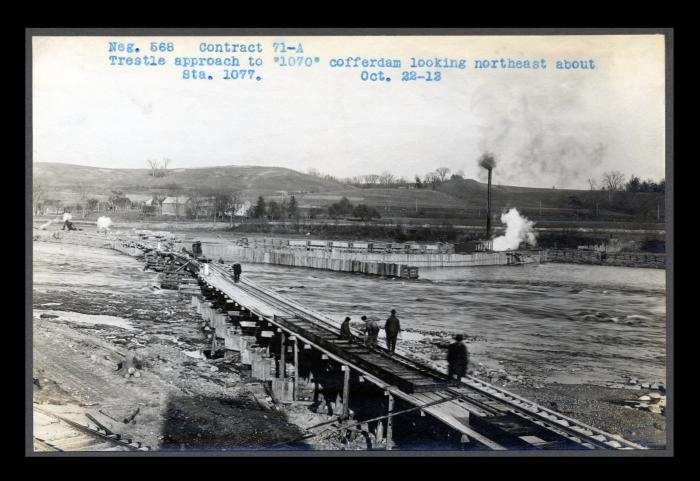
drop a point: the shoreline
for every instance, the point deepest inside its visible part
(171, 328)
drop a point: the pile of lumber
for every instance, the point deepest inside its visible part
(154, 262)
(188, 287)
(172, 278)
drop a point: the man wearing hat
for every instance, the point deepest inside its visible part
(392, 329)
(457, 358)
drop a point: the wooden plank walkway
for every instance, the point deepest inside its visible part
(455, 415)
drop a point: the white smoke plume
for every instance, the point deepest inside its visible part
(103, 224)
(519, 229)
(44, 226)
(67, 216)
(535, 137)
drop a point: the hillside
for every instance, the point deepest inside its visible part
(66, 180)
(455, 199)
(538, 202)
(475, 192)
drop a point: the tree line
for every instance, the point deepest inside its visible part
(289, 210)
(615, 181)
(387, 179)
(273, 210)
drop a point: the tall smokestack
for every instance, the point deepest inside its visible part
(488, 162)
(488, 208)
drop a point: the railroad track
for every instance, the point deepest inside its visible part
(55, 433)
(489, 398)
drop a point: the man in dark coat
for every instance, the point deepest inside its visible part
(392, 329)
(345, 329)
(371, 332)
(236, 272)
(68, 225)
(457, 358)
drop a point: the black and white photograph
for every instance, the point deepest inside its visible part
(278, 243)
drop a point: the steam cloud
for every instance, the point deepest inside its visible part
(103, 224)
(519, 229)
(67, 216)
(540, 140)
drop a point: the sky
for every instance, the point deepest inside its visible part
(545, 127)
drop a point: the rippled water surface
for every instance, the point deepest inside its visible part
(603, 323)
(590, 322)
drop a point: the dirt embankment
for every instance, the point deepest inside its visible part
(84, 331)
(183, 401)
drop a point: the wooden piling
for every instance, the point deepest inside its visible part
(295, 388)
(389, 423)
(346, 393)
(283, 367)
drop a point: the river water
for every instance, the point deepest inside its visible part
(563, 322)
(555, 322)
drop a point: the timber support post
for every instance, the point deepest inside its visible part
(295, 386)
(389, 422)
(345, 414)
(283, 366)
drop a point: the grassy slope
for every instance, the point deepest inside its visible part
(458, 198)
(64, 179)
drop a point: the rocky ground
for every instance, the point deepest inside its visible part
(632, 408)
(171, 402)
(174, 398)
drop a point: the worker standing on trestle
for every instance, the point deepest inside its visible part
(371, 332)
(457, 359)
(236, 272)
(392, 329)
(345, 329)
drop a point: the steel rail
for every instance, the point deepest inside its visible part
(575, 430)
(47, 445)
(111, 438)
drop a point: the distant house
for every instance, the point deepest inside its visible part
(175, 206)
(242, 211)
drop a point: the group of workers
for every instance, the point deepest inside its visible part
(392, 327)
(457, 353)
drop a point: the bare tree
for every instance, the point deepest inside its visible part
(166, 161)
(153, 165)
(592, 183)
(314, 172)
(233, 204)
(442, 173)
(387, 178)
(196, 202)
(175, 190)
(38, 194)
(371, 178)
(612, 181)
(432, 178)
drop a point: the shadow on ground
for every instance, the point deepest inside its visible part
(216, 424)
